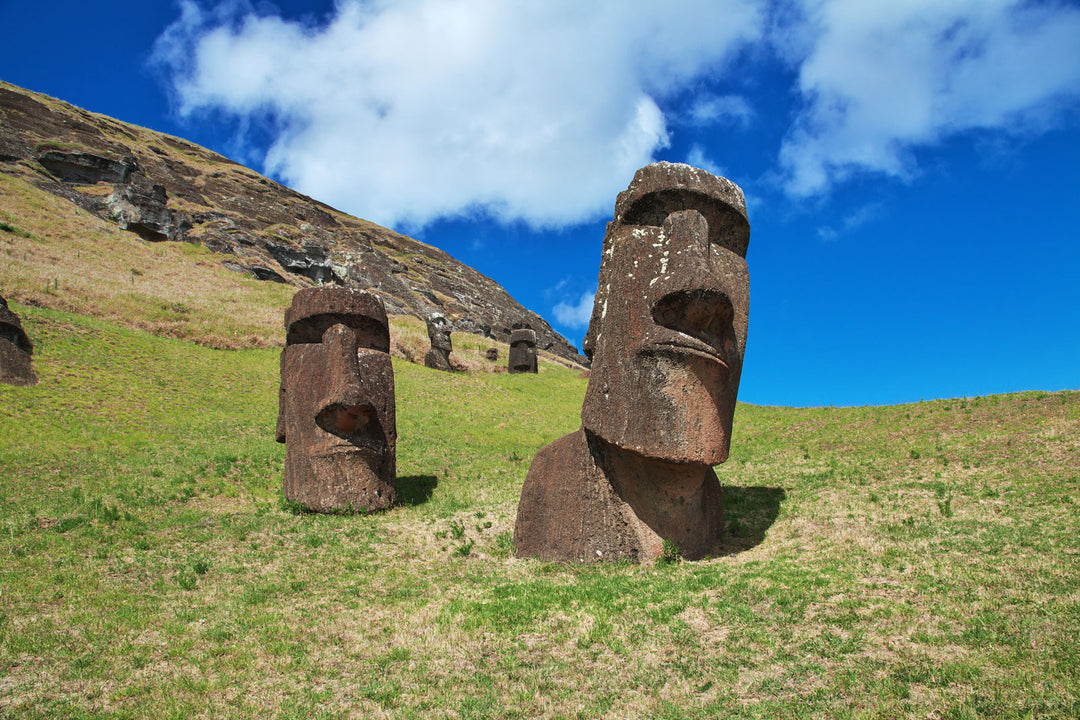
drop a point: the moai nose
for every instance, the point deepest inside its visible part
(686, 237)
(341, 409)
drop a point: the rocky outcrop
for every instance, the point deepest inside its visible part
(142, 209)
(86, 167)
(165, 188)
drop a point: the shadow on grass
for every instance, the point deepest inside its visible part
(749, 512)
(415, 490)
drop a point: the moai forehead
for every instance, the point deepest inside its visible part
(660, 189)
(315, 310)
(437, 324)
(523, 335)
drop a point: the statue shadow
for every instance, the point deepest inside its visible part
(416, 490)
(749, 512)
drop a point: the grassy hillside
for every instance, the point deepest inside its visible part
(55, 255)
(51, 231)
(912, 561)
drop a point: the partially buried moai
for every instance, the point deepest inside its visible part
(438, 330)
(522, 350)
(336, 410)
(16, 350)
(666, 340)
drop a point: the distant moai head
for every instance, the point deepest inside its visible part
(523, 350)
(438, 329)
(669, 322)
(336, 410)
(16, 349)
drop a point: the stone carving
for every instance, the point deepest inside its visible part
(336, 410)
(438, 330)
(666, 340)
(492, 354)
(15, 349)
(522, 350)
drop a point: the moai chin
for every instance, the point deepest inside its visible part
(16, 350)
(522, 351)
(666, 340)
(336, 411)
(438, 330)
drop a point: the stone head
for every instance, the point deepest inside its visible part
(336, 412)
(523, 351)
(438, 328)
(669, 323)
(16, 349)
(11, 329)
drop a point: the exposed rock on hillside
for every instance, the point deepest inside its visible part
(165, 188)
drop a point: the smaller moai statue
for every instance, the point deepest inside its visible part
(15, 350)
(522, 350)
(336, 411)
(492, 354)
(438, 330)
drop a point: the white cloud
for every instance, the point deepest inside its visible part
(698, 158)
(403, 112)
(882, 78)
(708, 109)
(575, 315)
(851, 221)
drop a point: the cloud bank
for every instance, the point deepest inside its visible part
(881, 79)
(403, 112)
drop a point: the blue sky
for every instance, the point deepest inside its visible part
(912, 169)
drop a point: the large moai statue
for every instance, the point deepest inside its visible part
(16, 349)
(336, 411)
(666, 341)
(522, 350)
(438, 330)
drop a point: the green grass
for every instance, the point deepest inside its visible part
(912, 561)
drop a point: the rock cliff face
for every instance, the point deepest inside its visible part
(165, 188)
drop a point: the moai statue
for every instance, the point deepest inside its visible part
(666, 341)
(336, 409)
(492, 354)
(523, 350)
(15, 349)
(438, 330)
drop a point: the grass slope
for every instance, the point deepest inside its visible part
(911, 561)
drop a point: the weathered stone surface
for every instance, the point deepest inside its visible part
(142, 208)
(16, 349)
(86, 167)
(667, 339)
(311, 261)
(492, 354)
(263, 228)
(522, 351)
(438, 329)
(336, 409)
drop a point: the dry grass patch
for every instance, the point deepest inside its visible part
(171, 289)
